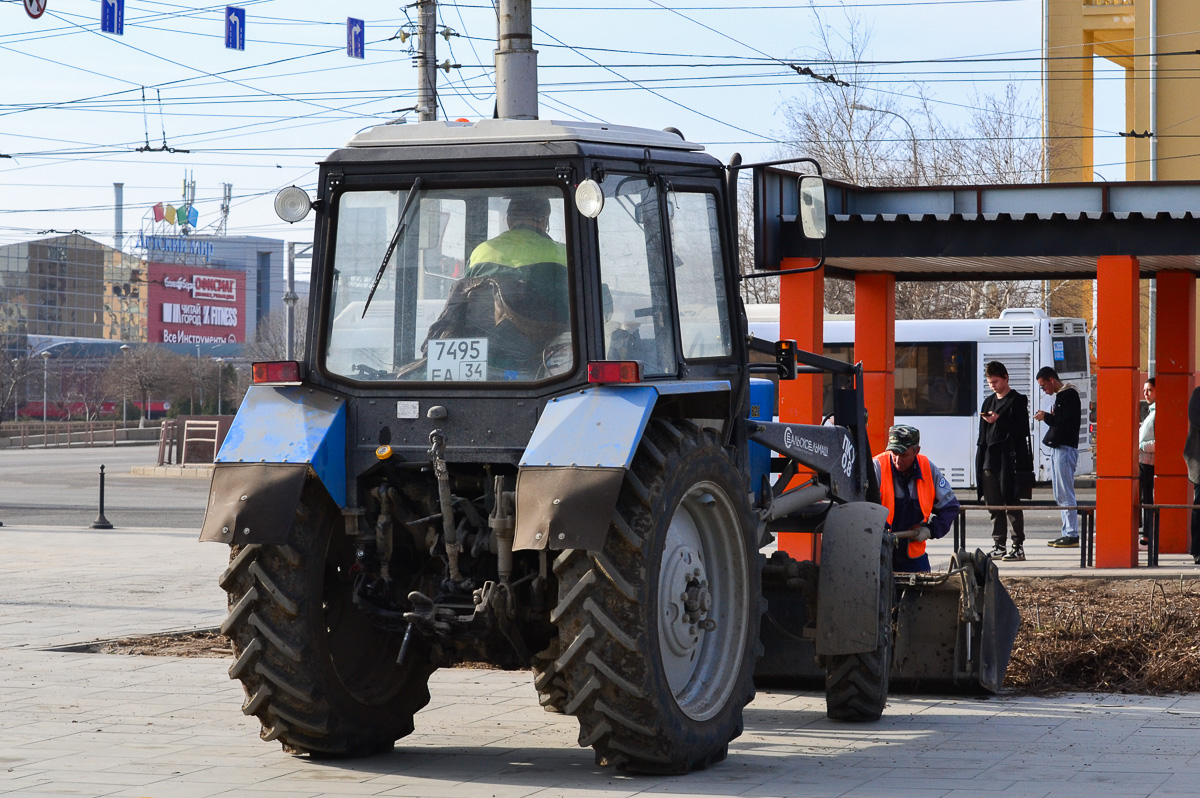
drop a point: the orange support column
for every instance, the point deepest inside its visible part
(1117, 384)
(875, 347)
(802, 318)
(1175, 351)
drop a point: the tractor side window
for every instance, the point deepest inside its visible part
(633, 267)
(699, 276)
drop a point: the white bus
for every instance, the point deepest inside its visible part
(939, 376)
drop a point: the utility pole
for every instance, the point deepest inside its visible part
(290, 298)
(516, 62)
(426, 61)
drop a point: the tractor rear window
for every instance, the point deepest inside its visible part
(463, 285)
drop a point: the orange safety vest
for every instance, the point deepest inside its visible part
(925, 494)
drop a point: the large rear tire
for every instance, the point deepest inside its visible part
(856, 685)
(318, 675)
(658, 632)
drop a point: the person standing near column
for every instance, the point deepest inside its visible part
(1146, 460)
(1002, 452)
(1062, 436)
(1191, 456)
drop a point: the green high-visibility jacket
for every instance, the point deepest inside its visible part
(518, 247)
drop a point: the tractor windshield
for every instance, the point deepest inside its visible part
(476, 289)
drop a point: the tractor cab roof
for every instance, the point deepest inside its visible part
(489, 138)
(514, 131)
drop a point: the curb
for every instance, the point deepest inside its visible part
(190, 472)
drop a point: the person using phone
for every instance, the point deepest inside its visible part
(1002, 455)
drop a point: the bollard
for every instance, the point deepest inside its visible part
(101, 522)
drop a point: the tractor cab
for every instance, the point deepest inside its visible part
(499, 259)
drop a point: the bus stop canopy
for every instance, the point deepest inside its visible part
(1036, 232)
(1114, 233)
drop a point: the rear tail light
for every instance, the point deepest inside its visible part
(600, 371)
(278, 372)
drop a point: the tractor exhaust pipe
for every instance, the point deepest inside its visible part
(516, 62)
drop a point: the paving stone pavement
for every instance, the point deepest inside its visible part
(83, 724)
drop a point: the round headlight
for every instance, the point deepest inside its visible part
(589, 198)
(292, 204)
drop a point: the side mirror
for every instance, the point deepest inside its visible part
(812, 207)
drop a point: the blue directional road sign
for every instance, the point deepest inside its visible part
(112, 16)
(356, 34)
(235, 28)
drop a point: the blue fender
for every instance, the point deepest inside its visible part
(574, 465)
(292, 424)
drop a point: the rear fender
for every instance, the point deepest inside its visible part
(572, 470)
(285, 433)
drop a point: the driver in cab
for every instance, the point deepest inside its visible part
(525, 242)
(920, 503)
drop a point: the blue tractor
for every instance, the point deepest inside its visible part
(522, 434)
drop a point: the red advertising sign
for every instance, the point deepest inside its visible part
(194, 305)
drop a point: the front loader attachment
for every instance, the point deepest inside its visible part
(954, 631)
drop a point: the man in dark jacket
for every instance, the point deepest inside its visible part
(1002, 456)
(1062, 436)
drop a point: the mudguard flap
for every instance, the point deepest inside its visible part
(293, 424)
(848, 584)
(253, 502)
(565, 508)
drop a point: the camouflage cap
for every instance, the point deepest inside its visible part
(902, 437)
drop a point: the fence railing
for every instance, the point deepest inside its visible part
(1087, 524)
(66, 434)
(1087, 518)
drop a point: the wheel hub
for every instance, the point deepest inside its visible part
(686, 601)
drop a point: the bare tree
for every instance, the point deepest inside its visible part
(84, 387)
(270, 339)
(149, 371)
(14, 371)
(871, 139)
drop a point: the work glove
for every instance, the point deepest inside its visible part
(922, 533)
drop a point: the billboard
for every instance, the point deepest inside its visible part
(194, 305)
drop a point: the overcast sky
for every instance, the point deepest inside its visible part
(76, 103)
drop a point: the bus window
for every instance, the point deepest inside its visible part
(844, 353)
(1070, 354)
(935, 379)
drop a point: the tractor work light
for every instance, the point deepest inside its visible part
(279, 372)
(601, 371)
(292, 204)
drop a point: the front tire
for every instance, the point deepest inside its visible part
(318, 675)
(658, 632)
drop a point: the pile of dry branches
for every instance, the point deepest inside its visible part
(1113, 636)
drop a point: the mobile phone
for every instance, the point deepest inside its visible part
(984, 415)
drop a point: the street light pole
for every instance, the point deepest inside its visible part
(15, 363)
(124, 387)
(911, 131)
(219, 361)
(45, 388)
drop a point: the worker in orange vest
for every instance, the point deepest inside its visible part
(918, 498)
